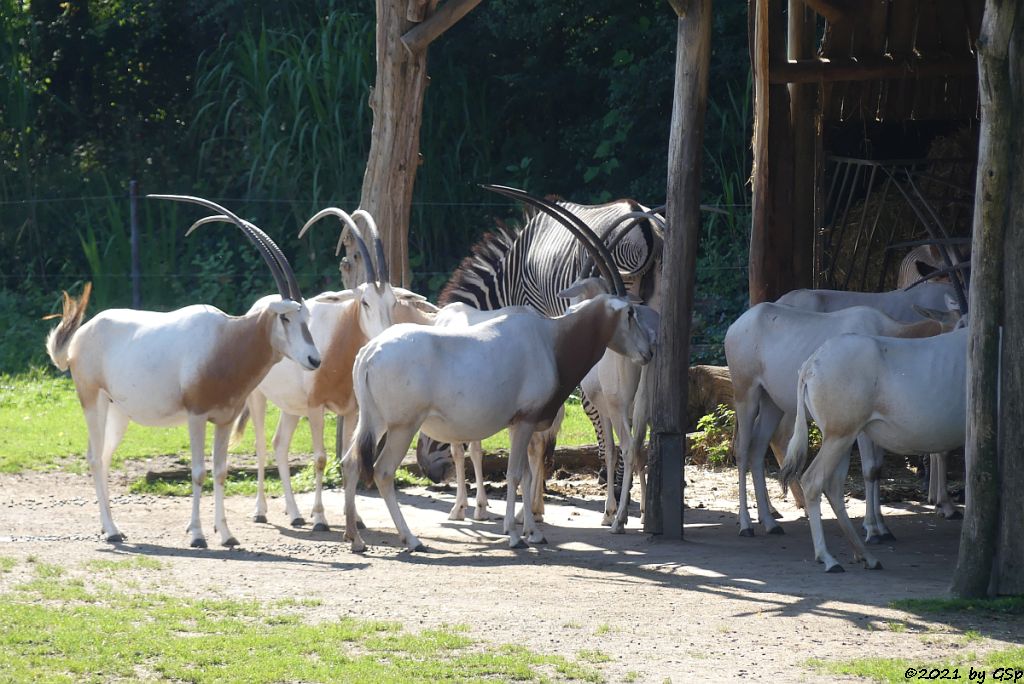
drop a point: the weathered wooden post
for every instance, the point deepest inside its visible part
(671, 363)
(133, 219)
(990, 558)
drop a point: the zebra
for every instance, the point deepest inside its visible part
(528, 266)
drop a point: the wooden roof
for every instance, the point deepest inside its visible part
(922, 53)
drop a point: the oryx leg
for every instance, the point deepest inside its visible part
(519, 434)
(197, 444)
(350, 470)
(834, 491)
(106, 426)
(476, 456)
(458, 511)
(938, 492)
(625, 435)
(221, 436)
(316, 431)
(769, 417)
(610, 460)
(257, 403)
(282, 442)
(396, 444)
(871, 459)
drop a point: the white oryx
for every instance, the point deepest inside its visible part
(765, 348)
(341, 323)
(194, 365)
(466, 383)
(908, 396)
(902, 305)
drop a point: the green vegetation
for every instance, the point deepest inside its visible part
(7, 564)
(895, 669)
(264, 105)
(713, 439)
(1012, 605)
(64, 631)
(41, 427)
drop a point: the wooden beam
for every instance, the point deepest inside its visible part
(671, 363)
(758, 11)
(804, 131)
(832, 10)
(880, 69)
(980, 530)
(423, 34)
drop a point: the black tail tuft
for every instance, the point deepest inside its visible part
(367, 456)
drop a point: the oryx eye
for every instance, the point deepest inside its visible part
(284, 319)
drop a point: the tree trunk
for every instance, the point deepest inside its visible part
(979, 534)
(1010, 557)
(693, 53)
(405, 29)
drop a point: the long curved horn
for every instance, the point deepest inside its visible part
(382, 262)
(272, 254)
(577, 227)
(588, 263)
(369, 274)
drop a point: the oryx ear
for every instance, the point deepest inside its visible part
(424, 306)
(924, 269)
(284, 306)
(952, 304)
(404, 295)
(618, 303)
(334, 297)
(584, 288)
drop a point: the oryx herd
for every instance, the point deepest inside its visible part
(569, 300)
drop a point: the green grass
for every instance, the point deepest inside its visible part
(64, 632)
(1011, 605)
(42, 427)
(897, 669)
(7, 564)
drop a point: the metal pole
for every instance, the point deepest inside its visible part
(133, 201)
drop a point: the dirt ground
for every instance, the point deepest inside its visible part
(715, 605)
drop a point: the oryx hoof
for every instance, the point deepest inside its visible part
(360, 525)
(198, 543)
(618, 529)
(777, 530)
(747, 532)
(835, 568)
(872, 565)
(259, 518)
(874, 539)
(955, 515)
(230, 541)
(776, 514)
(420, 548)
(321, 527)
(542, 540)
(298, 522)
(521, 544)
(116, 538)
(457, 514)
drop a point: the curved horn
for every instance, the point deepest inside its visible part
(272, 254)
(382, 262)
(581, 230)
(369, 274)
(588, 263)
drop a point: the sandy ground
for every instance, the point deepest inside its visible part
(715, 605)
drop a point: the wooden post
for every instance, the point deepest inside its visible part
(758, 12)
(133, 219)
(978, 536)
(686, 140)
(805, 134)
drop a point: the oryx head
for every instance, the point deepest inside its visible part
(374, 296)
(290, 328)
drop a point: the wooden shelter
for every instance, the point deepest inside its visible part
(851, 95)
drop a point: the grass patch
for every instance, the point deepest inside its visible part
(594, 656)
(7, 563)
(42, 427)
(1008, 605)
(133, 563)
(897, 669)
(85, 636)
(244, 484)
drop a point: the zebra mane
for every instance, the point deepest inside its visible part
(478, 274)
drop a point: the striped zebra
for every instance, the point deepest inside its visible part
(530, 265)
